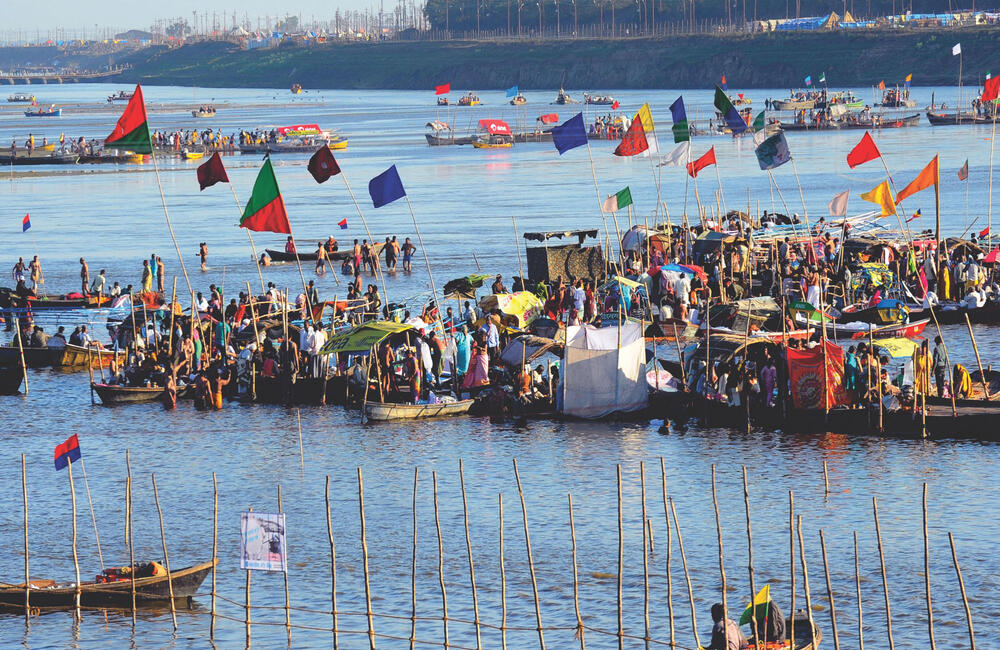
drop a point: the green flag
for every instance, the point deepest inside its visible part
(822, 78)
(758, 122)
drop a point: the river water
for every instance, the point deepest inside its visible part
(463, 200)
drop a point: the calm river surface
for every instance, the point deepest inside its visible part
(464, 200)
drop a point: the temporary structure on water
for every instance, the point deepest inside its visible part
(604, 371)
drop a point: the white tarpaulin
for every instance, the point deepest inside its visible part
(599, 377)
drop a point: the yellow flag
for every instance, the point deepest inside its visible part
(647, 118)
(882, 196)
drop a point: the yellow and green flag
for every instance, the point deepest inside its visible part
(760, 602)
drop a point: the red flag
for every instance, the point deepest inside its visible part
(985, 232)
(863, 152)
(991, 89)
(615, 104)
(343, 224)
(634, 141)
(881, 85)
(67, 452)
(443, 89)
(212, 172)
(707, 159)
(323, 165)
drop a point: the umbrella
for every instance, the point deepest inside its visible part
(993, 257)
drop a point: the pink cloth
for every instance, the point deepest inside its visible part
(479, 371)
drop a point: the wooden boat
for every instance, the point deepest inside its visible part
(192, 155)
(65, 302)
(607, 100)
(794, 104)
(21, 98)
(10, 379)
(296, 89)
(201, 113)
(862, 330)
(442, 101)
(381, 412)
(76, 356)
(807, 633)
(117, 595)
(51, 159)
(884, 122)
(113, 395)
(564, 98)
(44, 112)
(469, 99)
(10, 355)
(116, 159)
(948, 119)
(336, 143)
(494, 141)
(519, 100)
(120, 96)
(339, 255)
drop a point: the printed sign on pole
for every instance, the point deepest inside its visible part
(263, 542)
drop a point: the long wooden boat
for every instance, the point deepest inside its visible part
(807, 634)
(113, 395)
(794, 104)
(279, 148)
(948, 119)
(76, 356)
(10, 355)
(44, 112)
(51, 159)
(436, 140)
(20, 98)
(117, 595)
(200, 113)
(381, 412)
(10, 380)
(62, 302)
(342, 254)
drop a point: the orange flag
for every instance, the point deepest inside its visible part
(925, 179)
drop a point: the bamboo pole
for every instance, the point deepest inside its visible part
(621, 562)
(468, 548)
(576, 581)
(440, 566)
(687, 576)
(20, 349)
(27, 574)
(531, 562)
(961, 586)
(364, 555)
(791, 545)
(215, 549)
(826, 480)
(333, 564)
(753, 586)
(170, 338)
(927, 574)
(166, 556)
(413, 567)
(857, 585)
(503, 581)
(829, 592)
(131, 539)
(979, 362)
(646, 545)
(885, 582)
(76, 559)
(670, 585)
(288, 604)
(247, 619)
(805, 582)
(722, 565)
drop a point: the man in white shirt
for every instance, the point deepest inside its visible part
(682, 287)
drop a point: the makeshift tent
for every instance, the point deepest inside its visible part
(600, 377)
(519, 308)
(362, 338)
(464, 287)
(527, 348)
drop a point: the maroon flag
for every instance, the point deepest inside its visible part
(323, 165)
(212, 172)
(634, 141)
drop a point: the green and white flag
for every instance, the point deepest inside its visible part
(616, 202)
(822, 78)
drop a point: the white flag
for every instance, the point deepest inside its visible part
(610, 204)
(838, 205)
(955, 51)
(678, 156)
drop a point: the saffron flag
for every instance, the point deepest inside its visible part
(386, 187)
(25, 223)
(916, 215)
(760, 602)
(773, 152)
(646, 117)
(881, 85)
(707, 159)
(725, 106)
(443, 89)
(634, 141)
(322, 165)
(67, 452)
(907, 80)
(863, 152)
(512, 91)
(963, 173)
(265, 211)
(682, 132)
(991, 89)
(343, 224)
(570, 134)
(838, 204)
(677, 156)
(616, 202)
(132, 130)
(805, 375)
(926, 178)
(212, 171)
(882, 196)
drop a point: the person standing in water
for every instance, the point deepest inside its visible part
(203, 254)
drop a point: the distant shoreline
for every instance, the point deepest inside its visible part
(762, 60)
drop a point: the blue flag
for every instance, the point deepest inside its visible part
(386, 187)
(570, 134)
(809, 80)
(512, 91)
(681, 130)
(733, 118)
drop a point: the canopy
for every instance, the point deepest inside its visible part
(878, 273)
(300, 129)
(495, 127)
(897, 348)
(710, 240)
(362, 338)
(635, 237)
(993, 257)
(690, 269)
(464, 287)
(528, 348)
(548, 118)
(522, 306)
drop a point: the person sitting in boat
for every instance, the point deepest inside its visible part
(331, 244)
(726, 634)
(961, 382)
(58, 339)
(290, 246)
